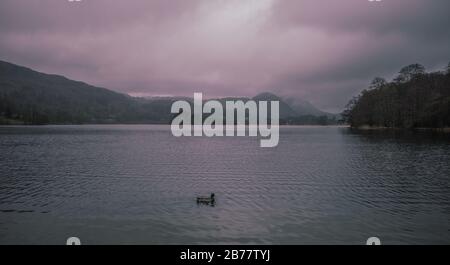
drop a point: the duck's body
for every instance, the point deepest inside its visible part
(207, 200)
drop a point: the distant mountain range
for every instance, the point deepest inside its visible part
(30, 97)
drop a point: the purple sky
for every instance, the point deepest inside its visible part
(324, 51)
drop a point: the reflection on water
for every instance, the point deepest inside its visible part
(138, 184)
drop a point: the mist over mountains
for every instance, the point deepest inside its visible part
(30, 97)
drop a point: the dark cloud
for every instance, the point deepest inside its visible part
(322, 50)
(418, 18)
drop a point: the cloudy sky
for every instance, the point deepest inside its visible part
(324, 51)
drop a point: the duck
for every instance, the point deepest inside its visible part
(207, 200)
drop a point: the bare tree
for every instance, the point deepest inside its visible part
(407, 73)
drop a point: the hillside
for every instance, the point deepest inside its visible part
(37, 98)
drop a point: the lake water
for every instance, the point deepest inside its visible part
(138, 184)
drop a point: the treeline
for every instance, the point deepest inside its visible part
(89, 109)
(414, 99)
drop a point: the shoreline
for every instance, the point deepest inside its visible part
(359, 128)
(380, 128)
(158, 124)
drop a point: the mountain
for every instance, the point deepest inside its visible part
(303, 107)
(294, 107)
(30, 97)
(162, 98)
(285, 110)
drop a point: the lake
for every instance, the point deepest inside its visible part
(137, 184)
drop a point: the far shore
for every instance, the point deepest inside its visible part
(368, 128)
(361, 128)
(159, 124)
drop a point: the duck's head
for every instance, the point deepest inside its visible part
(212, 195)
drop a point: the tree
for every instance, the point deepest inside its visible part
(409, 72)
(448, 69)
(377, 82)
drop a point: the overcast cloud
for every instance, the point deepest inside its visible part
(324, 51)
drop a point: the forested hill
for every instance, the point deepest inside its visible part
(30, 97)
(414, 99)
(38, 98)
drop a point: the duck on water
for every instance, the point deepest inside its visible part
(207, 200)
